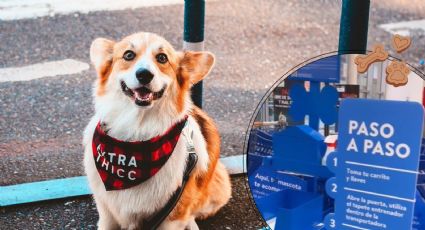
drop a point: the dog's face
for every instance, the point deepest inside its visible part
(145, 69)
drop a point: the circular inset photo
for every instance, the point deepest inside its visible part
(332, 147)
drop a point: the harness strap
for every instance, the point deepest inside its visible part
(154, 221)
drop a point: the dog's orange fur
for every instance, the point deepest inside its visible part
(204, 189)
(180, 65)
(103, 77)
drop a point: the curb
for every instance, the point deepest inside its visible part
(76, 186)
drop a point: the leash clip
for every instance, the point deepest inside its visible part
(188, 133)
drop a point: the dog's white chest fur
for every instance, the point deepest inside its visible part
(143, 88)
(131, 205)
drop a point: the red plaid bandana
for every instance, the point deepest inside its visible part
(122, 165)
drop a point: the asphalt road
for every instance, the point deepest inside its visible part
(255, 43)
(80, 213)
(41, 121)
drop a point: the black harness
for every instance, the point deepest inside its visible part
(154, 221)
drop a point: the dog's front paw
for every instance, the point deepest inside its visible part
(192, 225)
(106, 220)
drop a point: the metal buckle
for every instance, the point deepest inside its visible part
(188, 133)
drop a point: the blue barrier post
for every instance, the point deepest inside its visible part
(193, 36)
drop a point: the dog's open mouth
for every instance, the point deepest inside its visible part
(142, 96)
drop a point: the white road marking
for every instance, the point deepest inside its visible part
(403, 28)
(40, 70)
(21, 9)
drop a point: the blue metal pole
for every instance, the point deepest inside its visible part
(354, 26)
(194, 21)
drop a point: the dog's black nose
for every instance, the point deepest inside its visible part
(144, 76)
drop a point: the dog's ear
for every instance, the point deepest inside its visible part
(101, 51)
(195, 66)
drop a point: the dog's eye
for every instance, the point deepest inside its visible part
(129, 55)
(161, 58)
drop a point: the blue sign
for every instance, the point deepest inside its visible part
(376, 165)
(323, 70)
(265, 181)
(269, 188)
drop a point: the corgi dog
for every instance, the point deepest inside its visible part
(142, 103)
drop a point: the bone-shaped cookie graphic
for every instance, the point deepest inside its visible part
(363, 62)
